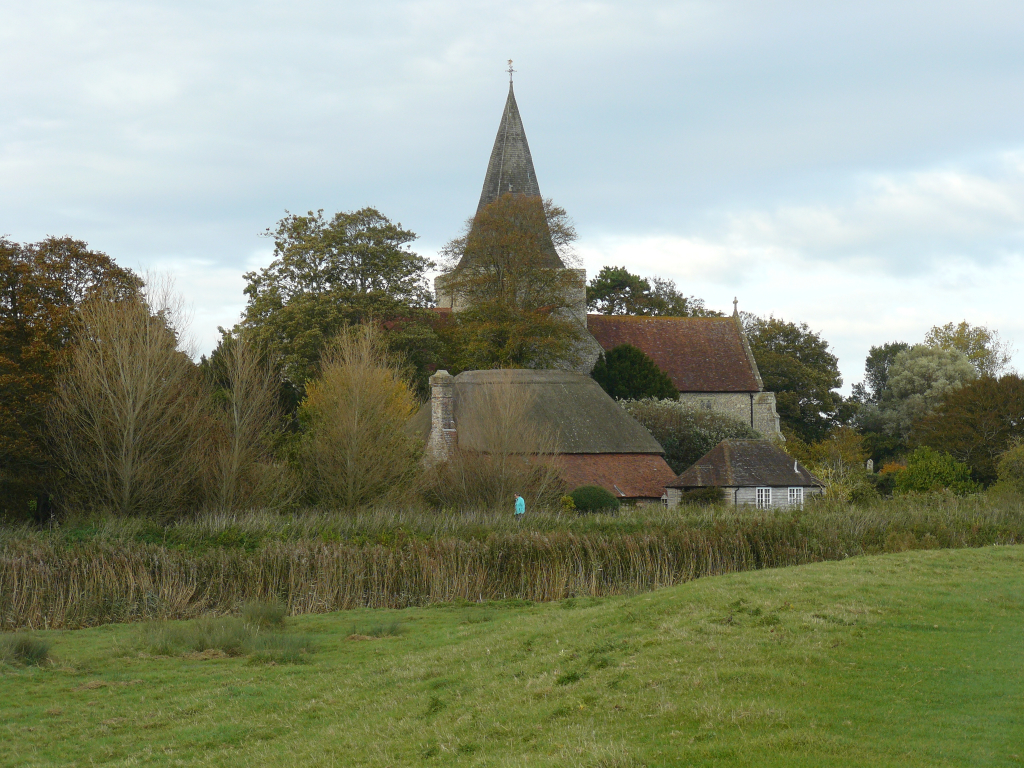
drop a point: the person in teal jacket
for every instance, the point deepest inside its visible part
(520, 505)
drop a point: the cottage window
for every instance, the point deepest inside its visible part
(764, 498)
(796, 497)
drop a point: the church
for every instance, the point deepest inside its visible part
(708, 360)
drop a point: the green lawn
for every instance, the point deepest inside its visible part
(907, 659)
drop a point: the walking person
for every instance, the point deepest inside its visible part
(520, 506)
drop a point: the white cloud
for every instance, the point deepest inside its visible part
(905, 253)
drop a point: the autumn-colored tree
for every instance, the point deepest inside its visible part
(976, 423)
(354, 449)
(507, 275)
(42, 287)
(328, 274)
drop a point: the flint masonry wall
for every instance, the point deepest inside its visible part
(737, 405)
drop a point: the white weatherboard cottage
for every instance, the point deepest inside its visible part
(752, 472)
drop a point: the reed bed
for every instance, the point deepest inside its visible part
(99, 570)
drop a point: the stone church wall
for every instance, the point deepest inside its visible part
(757, 411)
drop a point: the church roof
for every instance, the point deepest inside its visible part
(510, 168)
(569, 407)
(699, 354)
(745, 464)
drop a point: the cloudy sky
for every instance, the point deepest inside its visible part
(855, 166)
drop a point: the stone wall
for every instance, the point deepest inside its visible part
(754, 408)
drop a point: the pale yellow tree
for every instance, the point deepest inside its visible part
(355, 449)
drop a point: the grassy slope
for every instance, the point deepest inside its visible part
(908, 659)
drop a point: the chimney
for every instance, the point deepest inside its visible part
(443, 437)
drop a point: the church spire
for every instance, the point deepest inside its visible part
(510, 168)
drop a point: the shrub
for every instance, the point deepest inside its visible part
(593, 498)
(701, 496)
(264, 614)
(627, 373)
(23, 649)
(1010, 468)
(930, 470)
(685, 433)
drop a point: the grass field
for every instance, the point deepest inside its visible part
(914, 658)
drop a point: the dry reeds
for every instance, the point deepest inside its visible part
(62, 579)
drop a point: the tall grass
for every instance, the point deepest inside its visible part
(107, 569)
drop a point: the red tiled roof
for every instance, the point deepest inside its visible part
(625, 475)
(699, 354)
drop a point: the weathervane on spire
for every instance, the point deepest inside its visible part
(510, 71)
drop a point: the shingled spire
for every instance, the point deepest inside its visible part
(510, 168)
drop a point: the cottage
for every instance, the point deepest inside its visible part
(574, 423)
(755, 472)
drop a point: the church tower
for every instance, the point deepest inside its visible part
(510, 171)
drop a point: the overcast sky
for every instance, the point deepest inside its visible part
(855, 166)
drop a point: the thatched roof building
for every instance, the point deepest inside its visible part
(546, 412)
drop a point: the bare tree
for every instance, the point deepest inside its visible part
(128, 419)
(355, 448)
(244, 473)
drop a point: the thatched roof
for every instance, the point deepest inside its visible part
(699, 354)
(745, 464)
(570, 407)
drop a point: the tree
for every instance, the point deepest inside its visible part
(130, 418)
(796, 365)
(930, 470)
(616, 291)
(329, 274)
(247, 411)
(507, 271)
(918, 379)
(1010, 469)
(876, 371)
(626, 373)
(354, 449)
(989, 355)
(42, 286)
(976, 423)
(686, 433)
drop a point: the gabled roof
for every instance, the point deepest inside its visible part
(624, 475)
(745, 464)
(570, 407)
(510, 168)
(699, 354)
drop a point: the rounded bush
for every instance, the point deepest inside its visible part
(594, 498)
